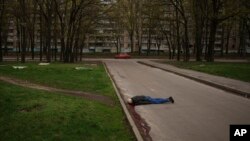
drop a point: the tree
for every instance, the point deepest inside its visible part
(46, 8)
(228, 29)
(200, 8)
(181, 9)
(221, 10)
(152, 12)
(244, 27)
(20, 12)
(114, 16)
(129, 18)
(177, 20)
(2, 23)
(159, 39)
(32, 30)
(139, 24)
(72, 16)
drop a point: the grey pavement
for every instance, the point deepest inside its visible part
(200, 112)
(231, 85)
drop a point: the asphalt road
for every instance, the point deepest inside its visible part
(200, 112)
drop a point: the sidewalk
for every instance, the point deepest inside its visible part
(227, 84)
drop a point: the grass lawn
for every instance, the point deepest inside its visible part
(63, 76)
(30, 115)
(239, 71)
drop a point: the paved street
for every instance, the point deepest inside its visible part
(200, 112)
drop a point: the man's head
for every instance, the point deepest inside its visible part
(129, 100)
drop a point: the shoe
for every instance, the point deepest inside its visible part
(171, 99)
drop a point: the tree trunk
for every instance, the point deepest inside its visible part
(158, 44)
(72, 45)
(41, 39)
(62, 46)
(213, 28)
(48, 39)
(2, 4)
(32, 44)
(55, 49)
(18, 46)
(186, 41)
(23, 40)
(117, 44)
(5, 36)
(199, 25)
(62, 26)
(222, 41)
(169, 48)
(242, 28)
(227, 38)
(68, 49)
(139, 42)
(76, 47)
(178, 34)
(206, 39)
(198, 44)
(149, 42)
(158, 50)
(81, 49)
(1, 51)
(131, 41)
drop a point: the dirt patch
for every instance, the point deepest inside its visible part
(100, 98)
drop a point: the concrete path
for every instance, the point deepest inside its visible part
(201, 112)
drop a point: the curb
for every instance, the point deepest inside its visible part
(216, 85)
(131, 121)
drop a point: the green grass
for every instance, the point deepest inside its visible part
(31, 115)
(239, 71)
(64, 76)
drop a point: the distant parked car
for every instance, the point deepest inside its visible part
(122, 56)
